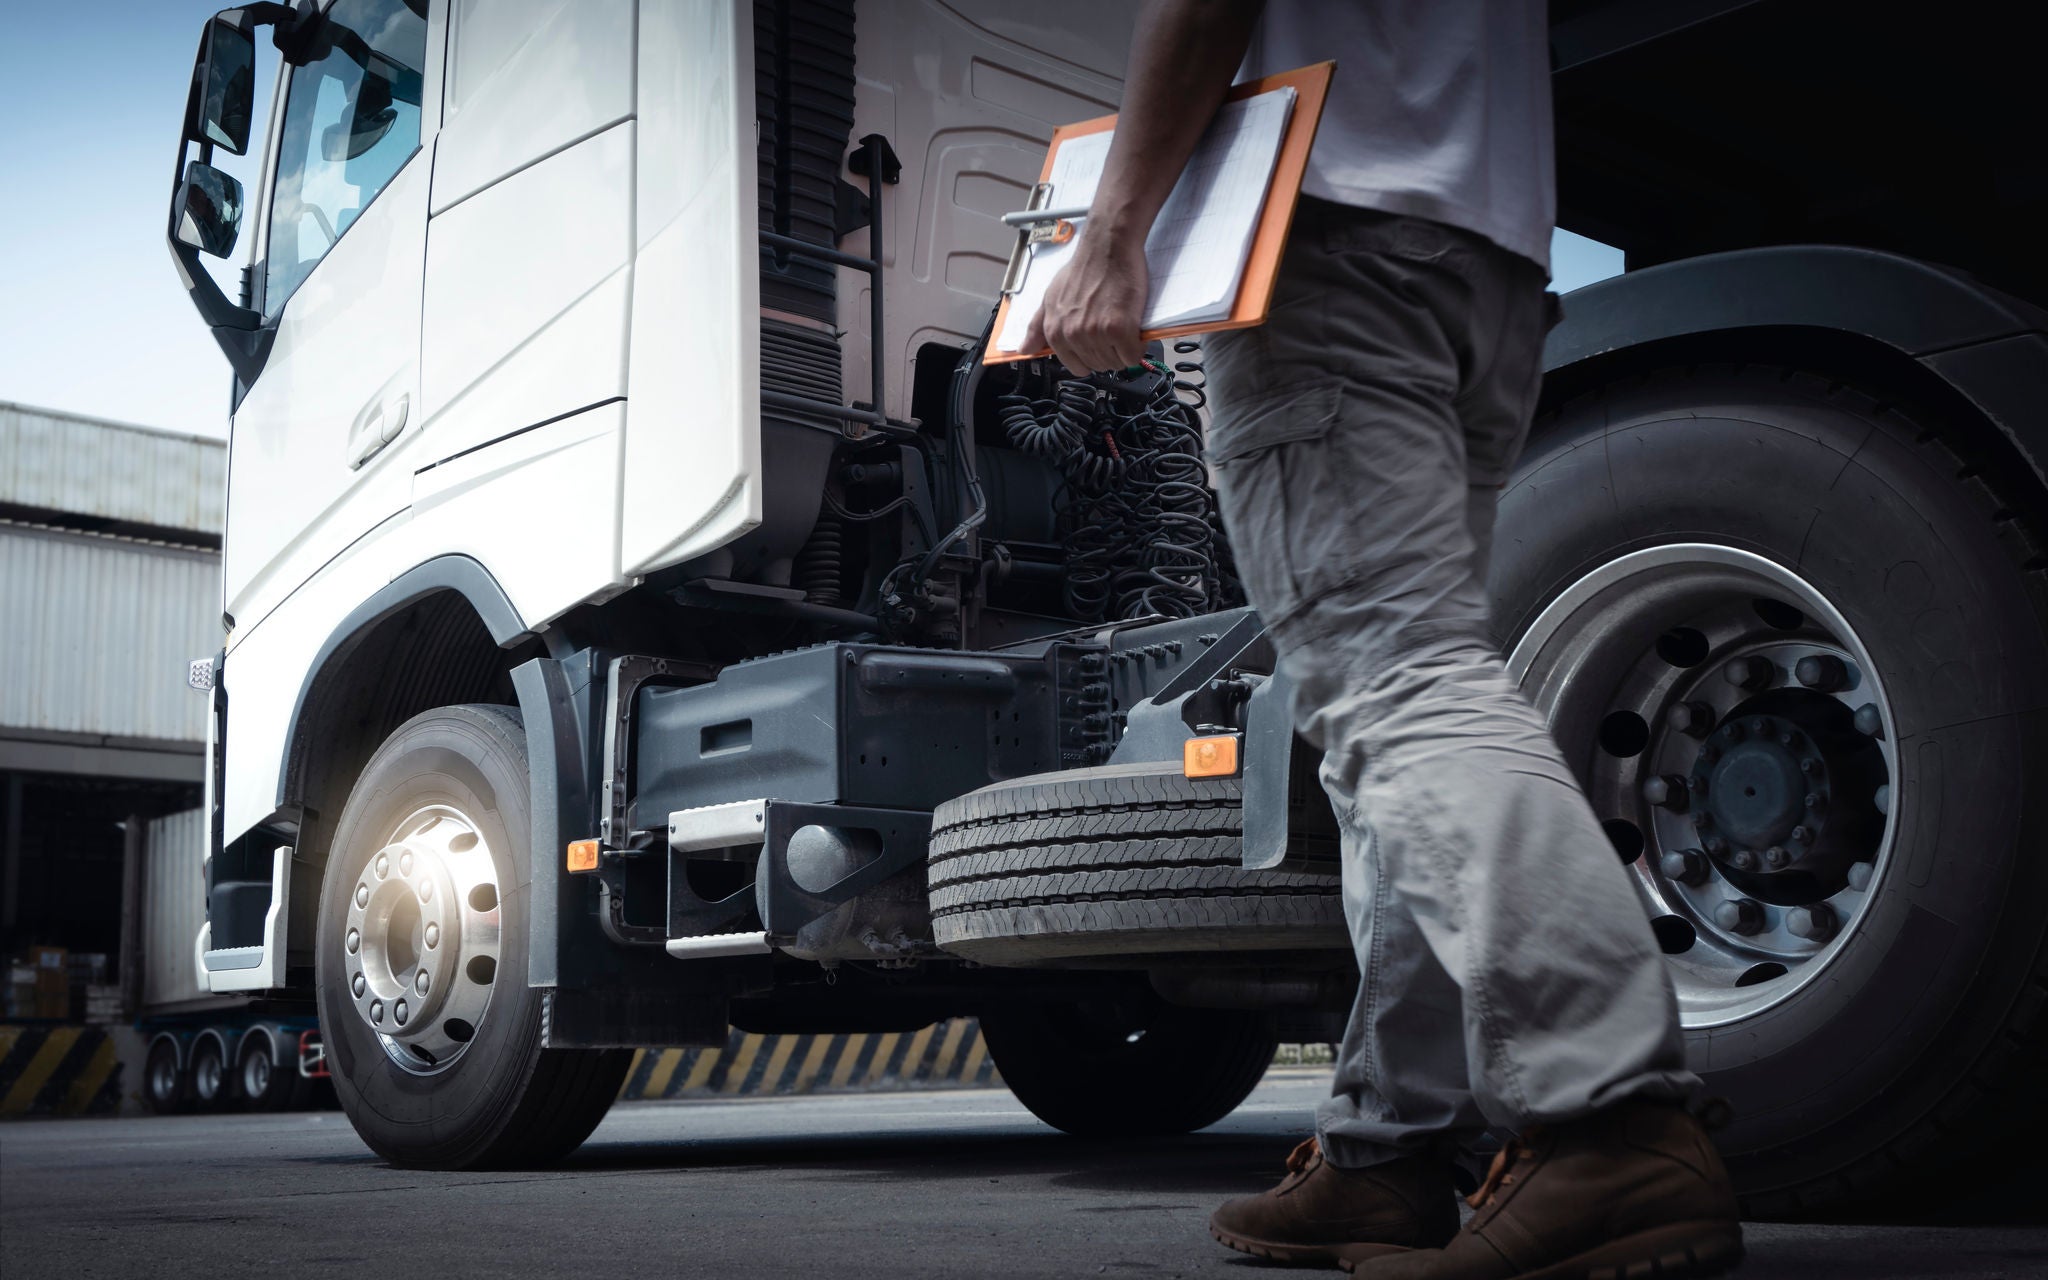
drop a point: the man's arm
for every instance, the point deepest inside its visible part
(1183, 56)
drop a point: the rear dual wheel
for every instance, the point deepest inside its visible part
(433, 1035)
(1786, 636)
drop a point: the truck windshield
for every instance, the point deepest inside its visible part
(351, 121)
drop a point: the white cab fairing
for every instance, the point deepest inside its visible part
(562, 287)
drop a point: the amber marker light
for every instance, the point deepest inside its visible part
(583, 855)
(1209, 757)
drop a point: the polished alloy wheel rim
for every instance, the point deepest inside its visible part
(256, 1073)
(1737, 745)
(420, 944)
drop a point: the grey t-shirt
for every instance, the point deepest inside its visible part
(1440, 109)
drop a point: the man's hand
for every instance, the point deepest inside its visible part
(1182, 56)
(1091, 313)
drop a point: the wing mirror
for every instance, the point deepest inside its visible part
(224, 84)
(208, 214)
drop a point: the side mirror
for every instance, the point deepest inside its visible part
(225, 85)
(208, 214)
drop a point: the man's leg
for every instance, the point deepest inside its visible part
(1342, 466)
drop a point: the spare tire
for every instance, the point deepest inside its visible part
(1115, 861)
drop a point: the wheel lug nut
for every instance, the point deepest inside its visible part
(1748, 673)
(1870, 721)
(1733, 731)
(399, 1013)
(377, 1011)
(1739, 915)
(383, 866)
(1715, 845)
(362, 895)
(1760, 727)
(1859, 875)
(1709, 754)
(426, 890)
(421, 983)
(1743, 860)
(358, 986)
(405, 863)
(1695, 718)
(1884, 798)
(1790, 738)
(1809, 766)
(354, 941)
(1666, 791)
(1801, 835)
(433, 934)
(1815, 800)
(1776, 858)
(1815, 923)
(1686, 866)
(1822, 672)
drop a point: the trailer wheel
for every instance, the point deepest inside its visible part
(1784, 631)
(212, 1089)
(1115, 861)
(433, 1035)
(264, 1083)
(163, 1086)
(1119, 1069)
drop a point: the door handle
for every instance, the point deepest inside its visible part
(376, 426)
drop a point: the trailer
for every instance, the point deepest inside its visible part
(645, 613)
(206, 1052)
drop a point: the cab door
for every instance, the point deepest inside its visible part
(343, 257)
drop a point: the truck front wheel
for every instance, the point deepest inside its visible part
(1792, 638)
(433, 1035)
(1119, 1068)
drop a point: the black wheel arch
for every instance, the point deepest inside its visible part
(1889, 324)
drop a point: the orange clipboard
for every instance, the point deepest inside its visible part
(1311, 85)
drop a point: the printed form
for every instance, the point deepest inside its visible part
(1198, 246)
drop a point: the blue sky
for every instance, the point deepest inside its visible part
(91, 316)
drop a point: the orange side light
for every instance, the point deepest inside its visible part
(1209, 757)
(583, 855)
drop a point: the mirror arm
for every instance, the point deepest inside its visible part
(240, 331)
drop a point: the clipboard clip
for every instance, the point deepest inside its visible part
(1036, 224)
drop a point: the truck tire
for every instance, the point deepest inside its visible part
(433, 1035)
(264, 1083)
(211, 1081)
(1114, 861)
(1114, 1070)
(1689, 536)
(163, 1084)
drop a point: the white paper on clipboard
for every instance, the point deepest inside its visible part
(1198, 246)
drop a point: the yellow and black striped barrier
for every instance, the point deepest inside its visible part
(58, 1071)
(945, 1054)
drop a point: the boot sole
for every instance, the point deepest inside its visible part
(1683, 1251)
(1304, 1255)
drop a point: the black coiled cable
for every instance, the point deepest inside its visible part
(1137, 517)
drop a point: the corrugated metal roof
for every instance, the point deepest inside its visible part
(111, 471)
(97, 631)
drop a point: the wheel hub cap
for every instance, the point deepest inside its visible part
(1738, 746)
(420, 941)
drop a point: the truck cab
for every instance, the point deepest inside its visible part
(645, 613)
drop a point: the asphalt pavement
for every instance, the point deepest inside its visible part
(962, 1183)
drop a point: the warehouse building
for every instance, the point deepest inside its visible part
(110, 541)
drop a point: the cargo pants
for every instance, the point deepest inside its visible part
(1359, 440)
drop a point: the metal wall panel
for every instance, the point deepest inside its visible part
(173, 908)
(112, 471)
(96, 633)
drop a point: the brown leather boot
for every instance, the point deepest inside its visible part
(1636, 1190)
(1322, 1215)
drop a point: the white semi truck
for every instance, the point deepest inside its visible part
(645, 613)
